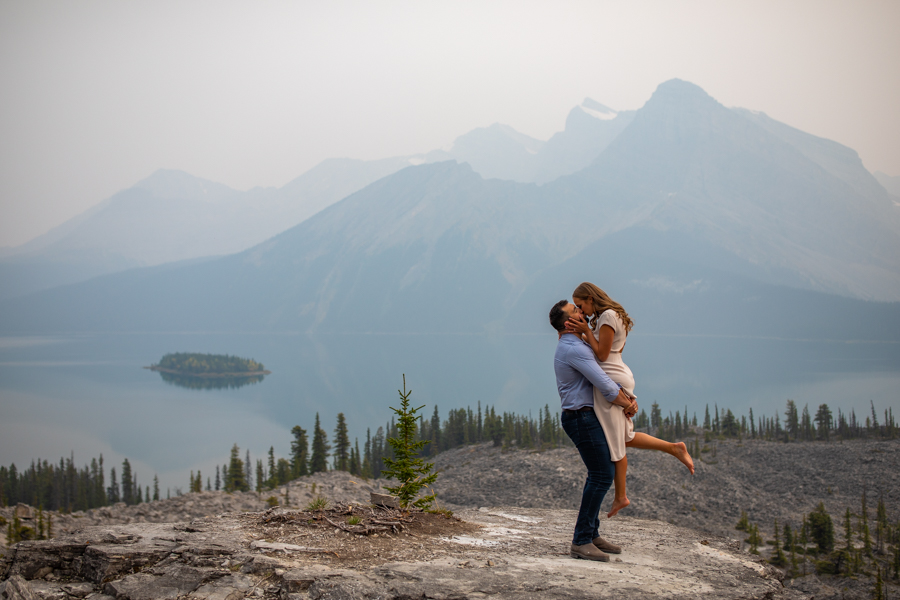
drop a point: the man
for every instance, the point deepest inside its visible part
(577, 374)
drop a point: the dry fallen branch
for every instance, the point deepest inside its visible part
(277, 546)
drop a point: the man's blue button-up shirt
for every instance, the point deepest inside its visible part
(578, 373)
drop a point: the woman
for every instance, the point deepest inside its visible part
(606, 332)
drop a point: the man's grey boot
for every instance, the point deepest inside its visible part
(588, 552)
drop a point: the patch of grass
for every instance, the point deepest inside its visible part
(272, 501)
(354, 521)
(317, 503)
(438, 510)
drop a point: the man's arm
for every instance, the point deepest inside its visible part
(581, 358)
(583, 361)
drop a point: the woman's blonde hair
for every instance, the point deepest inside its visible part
(602, 302)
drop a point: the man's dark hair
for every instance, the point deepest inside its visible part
(558, 316)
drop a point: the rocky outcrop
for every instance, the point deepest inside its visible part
(768, 480)
(292, 555)
(336, 486)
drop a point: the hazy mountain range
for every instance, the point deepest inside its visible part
(733, 222)
(891, 184)
(173, 216)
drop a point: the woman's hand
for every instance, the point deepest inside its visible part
(577, 324)
(632, 410)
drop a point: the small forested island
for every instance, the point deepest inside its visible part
(200, 371)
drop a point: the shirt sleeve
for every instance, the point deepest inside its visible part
(583, 361)
(607, 318)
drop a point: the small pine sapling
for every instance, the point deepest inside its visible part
(411, 472)
(744, 523)
(778, 559)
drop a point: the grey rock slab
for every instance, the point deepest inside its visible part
(16, 588)
(169, 583)
(78, 589)
(28, 558)
(104, 563)
(229, 587)
(47, 590)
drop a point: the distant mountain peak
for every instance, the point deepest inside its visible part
(597, 110)
(682, 93)
(173, 183)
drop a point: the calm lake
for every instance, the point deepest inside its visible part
(89, 394)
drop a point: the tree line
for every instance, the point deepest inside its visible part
(798, 426)
(867, 549)
(192, 362)
(316, 453)
(65, 487)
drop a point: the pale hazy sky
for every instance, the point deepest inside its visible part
(97, 95)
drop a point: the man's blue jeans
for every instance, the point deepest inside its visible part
(585, 431)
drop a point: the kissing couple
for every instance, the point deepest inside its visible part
(596, 390)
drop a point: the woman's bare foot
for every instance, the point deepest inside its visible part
(617, 505)
(681, 454)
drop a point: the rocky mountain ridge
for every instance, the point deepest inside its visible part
(501, 553)
(517, 509)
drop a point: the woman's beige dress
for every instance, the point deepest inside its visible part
(617, 427)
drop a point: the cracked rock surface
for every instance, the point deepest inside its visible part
(292, 555)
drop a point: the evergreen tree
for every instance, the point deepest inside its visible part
(897, 558)
(218, 479)
(752, 425)
(791, 420)
(847, 552)
(273, 472)
(341, 444)
(806, 429)
(864, 526)
(318, 462)
(234, 481)
(788, 537)
(260, 475)
(744, 522)
(729, 425)
(754, 540)
(127, 483)
(821, 529)
(778, 559)
(823, 422)
(411, 472)
(355, 467)
(706, 421)
(655, 416)
(156, 485)
(248, 471)
(299, 452)
(282, 471)
(882, 526)
(112, 492)
(367, 455)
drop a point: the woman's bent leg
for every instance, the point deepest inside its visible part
(648, 442)
(621, 500)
